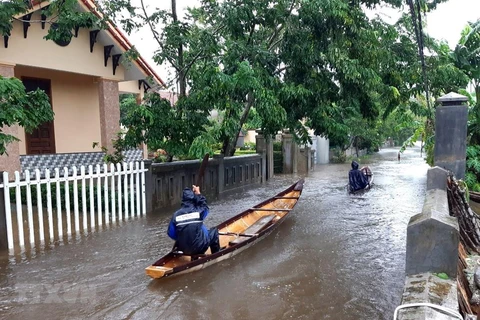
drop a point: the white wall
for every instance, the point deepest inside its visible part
(323, 150)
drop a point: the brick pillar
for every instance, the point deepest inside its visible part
(11, 162)
(109, 104)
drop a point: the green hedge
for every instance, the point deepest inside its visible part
(277, 146)
(277, 162)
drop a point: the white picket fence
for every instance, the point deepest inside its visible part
(119, 190)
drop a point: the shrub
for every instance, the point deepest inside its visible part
(338, 155)
(248, 146)
(277, 146)
(277, 162)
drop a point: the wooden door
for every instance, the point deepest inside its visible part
(42, 139)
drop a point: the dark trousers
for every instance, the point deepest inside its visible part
(214, 242)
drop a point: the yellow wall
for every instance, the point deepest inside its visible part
(38, 52)
(76, 106)
(131, 87)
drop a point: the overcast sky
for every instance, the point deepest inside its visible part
(446, 22)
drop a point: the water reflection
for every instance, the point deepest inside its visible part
(337, 256)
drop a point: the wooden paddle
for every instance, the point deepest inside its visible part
(201, 171)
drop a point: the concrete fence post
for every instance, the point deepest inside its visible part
(221, 172)
(261, 148)
(269, 151)
(451, 134)
(433, 235)
(290, 152)
(3, 218)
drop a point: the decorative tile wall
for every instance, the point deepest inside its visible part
(69, 160)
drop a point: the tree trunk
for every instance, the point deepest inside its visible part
(181, 73)
(356, 145)
(229, 144)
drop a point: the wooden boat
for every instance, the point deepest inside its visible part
(474, 196)
(474, 202)
(368, 172)
(236, 234)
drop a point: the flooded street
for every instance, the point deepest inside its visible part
(336, 256)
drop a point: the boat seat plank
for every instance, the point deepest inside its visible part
(291, 198)
(254, 229)
(192, 256)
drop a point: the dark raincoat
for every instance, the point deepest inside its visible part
(357, 180)
(187, 228)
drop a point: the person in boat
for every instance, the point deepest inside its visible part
(357, 179)
(186, 226)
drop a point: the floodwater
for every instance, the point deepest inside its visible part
(336, 256)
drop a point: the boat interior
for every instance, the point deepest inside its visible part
(238, 229)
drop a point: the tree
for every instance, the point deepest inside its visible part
(319, 64)
(62, 15)
(27, 109)
(467, 57)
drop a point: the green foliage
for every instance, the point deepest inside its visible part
(277, 162)
(62, 15)
(285, 64)
(442, 275)
(338, 155)
(181, 131)
(254, 121)
(239, 152)
(248, 146)
(277, 146)
(27, 109)
(128, 102)
(117, 156)
(472, 175)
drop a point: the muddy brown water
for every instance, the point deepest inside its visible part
(336, 256)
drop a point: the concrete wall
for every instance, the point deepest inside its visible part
(306, 158)
(250, 136)
(433, 236)
(221, 175)
(322, 154)
(352, 152)
(432, 248)
(131, 87)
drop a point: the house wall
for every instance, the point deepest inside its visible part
(75, 103)
(38, 52)
(131, 87)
